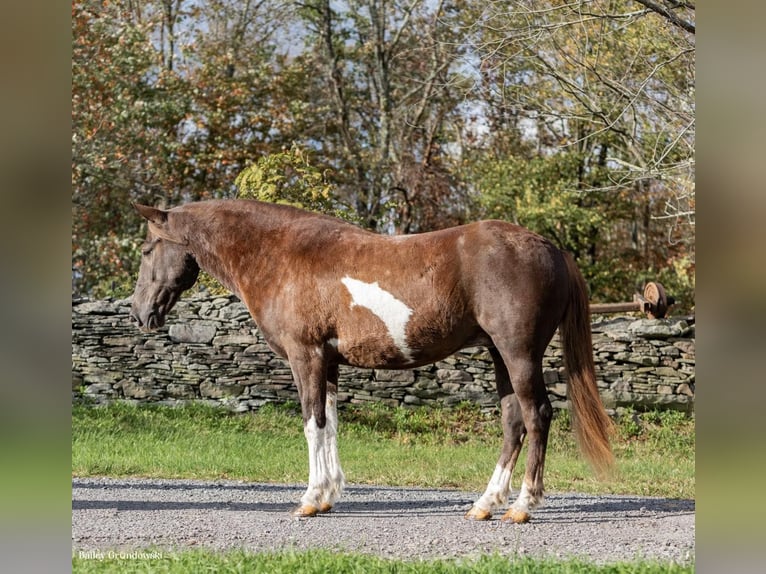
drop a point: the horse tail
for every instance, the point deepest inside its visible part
(592, 426)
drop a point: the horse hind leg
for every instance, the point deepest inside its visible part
(536, 412)
(499, 485)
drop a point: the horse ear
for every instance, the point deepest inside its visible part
(162, 231)
(158, 223)
(152, 214)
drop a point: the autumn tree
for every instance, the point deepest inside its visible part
(382, 85)
(170, 100)
(609, 85)
(123, 107)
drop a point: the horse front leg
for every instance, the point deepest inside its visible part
(499, 486)
(320, 424)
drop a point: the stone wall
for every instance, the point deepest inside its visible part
(210, 351)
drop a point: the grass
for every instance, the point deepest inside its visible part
(322, 561)
(378, 445)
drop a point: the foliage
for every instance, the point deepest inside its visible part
(583, 83)
(598, 77)
(545, 193)
(322, 561)
(117, 115)
(540, 193)
(290, 177)
(680, 281)
(160, 115)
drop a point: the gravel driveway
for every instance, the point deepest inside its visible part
(128, 514)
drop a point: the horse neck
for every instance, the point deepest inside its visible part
(234, 255)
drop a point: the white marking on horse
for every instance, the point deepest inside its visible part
(394, 313)
(497, 490)
(318, 475)
(336, 476)
(326, 479)
(526, 502)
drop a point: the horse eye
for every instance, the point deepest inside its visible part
(147, 248)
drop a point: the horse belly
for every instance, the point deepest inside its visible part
(374, 347)
(372, 353)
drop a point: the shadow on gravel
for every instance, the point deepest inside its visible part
(571, 509)
(624, 504)
(391, 509)
(152, 505)
(357, 501)
(364, 501)
(186, 484)
(167, 484)
(561, 509)
(358, 509)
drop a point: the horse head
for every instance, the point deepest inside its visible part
(167, 269)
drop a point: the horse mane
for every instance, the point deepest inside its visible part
(275, 211)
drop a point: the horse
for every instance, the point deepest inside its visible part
(325, 293)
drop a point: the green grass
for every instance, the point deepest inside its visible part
(378, 445)
(322, 562)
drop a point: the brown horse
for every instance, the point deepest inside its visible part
(326, 293)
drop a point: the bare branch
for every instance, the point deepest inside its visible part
(671, 16)
(407, 15)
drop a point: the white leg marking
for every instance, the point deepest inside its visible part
(318, 477)
(383, 304)
(337, 478)
(526, 502)
(326, 479)
(497, 491)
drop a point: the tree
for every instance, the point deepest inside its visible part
(610, 83)
(162, 114)
(581, 71)
(122, 109)
(384, 92)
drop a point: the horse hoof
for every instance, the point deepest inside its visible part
(516, 516)
(325, 507)
(305, 511)
(478, 514)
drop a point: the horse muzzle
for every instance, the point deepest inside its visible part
(150, 322)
